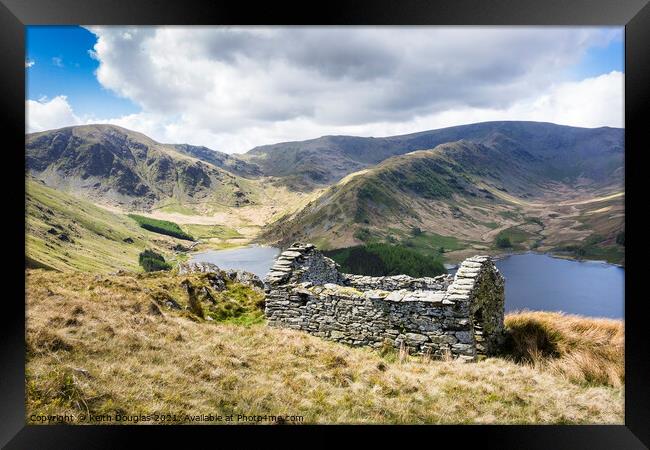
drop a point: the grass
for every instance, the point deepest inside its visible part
(95, 345)
(511, 215)
(211, 231)
(161, 226)
(514, 236)
(580, 349)
(152, 261)
(610, 253)
(595, 247)
(428, 243)
(97, 240)
(178, 208)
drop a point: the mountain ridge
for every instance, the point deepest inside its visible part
(331, 190)
(463, 189)
(324, 160)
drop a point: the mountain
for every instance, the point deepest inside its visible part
(219, 159)
(117, 166)
(565, 153)
(467, 190)
(460, 189)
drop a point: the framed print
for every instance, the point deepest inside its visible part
(384, 214)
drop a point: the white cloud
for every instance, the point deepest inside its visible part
(232, 88)
(57, 61)
(46, 115)
(592, 102)
(29, 63)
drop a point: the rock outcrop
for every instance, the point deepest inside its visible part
(221, 276)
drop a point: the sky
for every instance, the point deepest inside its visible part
(233, 88)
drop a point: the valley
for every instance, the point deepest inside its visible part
(493, 188)
(104, 205)
(322, 225)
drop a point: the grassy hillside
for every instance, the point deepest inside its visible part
(429, 190)
(465, 197)
(106, 346)
(63, 232)
(211, 231)
(480, 182)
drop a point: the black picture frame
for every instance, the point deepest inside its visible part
(633, 14)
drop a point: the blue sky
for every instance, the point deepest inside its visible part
(63, 66)
(602, 59)
(232, 89)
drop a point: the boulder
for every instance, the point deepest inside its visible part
(194, 267)
(246, 278)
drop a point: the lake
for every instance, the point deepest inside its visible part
(533, 281)
(541, 282)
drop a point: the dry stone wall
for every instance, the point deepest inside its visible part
(459, 315)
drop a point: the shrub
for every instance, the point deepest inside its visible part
(152, 261)
(363, 234)
(620, 238)
(503, 242)
(161, 226)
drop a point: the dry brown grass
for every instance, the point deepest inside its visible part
(581, 349)
(96, 346)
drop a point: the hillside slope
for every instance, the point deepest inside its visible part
(63, 232)
(465, 190)
(565, 153)
(111, 349)
(120, 167)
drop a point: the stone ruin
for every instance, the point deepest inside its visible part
(460, 316)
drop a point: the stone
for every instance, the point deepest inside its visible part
(470, 264)
(467, 274)
(464, 337)
(464, 282)
(197, 267)
(396, 296)
(435, 297)
(334, 334)
(283, 263)
(417, 338)
(430, 315)
(276, 274)
(375, 295)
